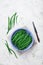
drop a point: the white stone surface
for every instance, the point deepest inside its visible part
(28, 11)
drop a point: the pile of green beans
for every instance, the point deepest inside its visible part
(21, 39)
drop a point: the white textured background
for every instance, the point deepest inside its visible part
(28, 11)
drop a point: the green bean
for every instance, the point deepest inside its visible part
(16, 35)
(21, 39)
(24, 44)
(25, 38)
(14, 38)
(12, 21)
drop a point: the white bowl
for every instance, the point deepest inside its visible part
(17, 27)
